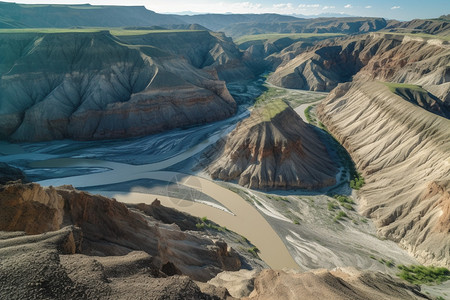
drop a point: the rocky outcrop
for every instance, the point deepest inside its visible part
(9, 173)
(273, 149)
(336, 284)
(341, 283)
(438, 26)
(42, 267)
(109, 228)
(385, 57)
(403, 152)
(100, 86)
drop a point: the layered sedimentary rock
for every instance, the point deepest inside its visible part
(273, 149)
(98, 86)
(403, 152)
(109, 228)
(336, 284)
(351, 25)
(439, 26)
(8, 173)
(385, 57)
(342, 283)
(46, 266)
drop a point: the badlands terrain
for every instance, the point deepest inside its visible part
(222, 156)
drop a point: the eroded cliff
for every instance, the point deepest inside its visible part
(273, 149)
(109, 228)
(94, 85)
(385, 57)
(403, 152)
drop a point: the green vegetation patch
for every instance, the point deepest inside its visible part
(205, 223)
(52, 30)
(269, 110)
(308, 114)
(423, 275)
(420, 35)
(357, 182)
(340, 216)
(278, 198)
(116, 31)
(254, 251)
(394, 87)
(123, 32)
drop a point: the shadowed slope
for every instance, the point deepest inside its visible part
(91, 85)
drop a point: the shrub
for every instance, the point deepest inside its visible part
(341, 215)
(308, 114)
(254, 251)
(423, 275)
(357, 182)
(332, 205)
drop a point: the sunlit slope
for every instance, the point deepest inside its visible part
(403, 151)
(273, 149)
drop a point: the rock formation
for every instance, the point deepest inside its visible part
(352, 25)
(385, 57)
(439, 26)
(403, 152)
(61, 243)
(94, 85)
(336, 284)
(45, 266)
(8, 173)
(273, 149)
(109, 228)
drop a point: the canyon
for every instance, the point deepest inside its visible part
(161, 158)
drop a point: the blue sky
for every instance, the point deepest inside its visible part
(393, 9)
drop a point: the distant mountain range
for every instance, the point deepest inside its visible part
(13, 15)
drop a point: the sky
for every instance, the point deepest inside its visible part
(391, 9)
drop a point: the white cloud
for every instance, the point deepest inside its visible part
(368, 6)
(245, 6)
(308, 5)
(348, 6)
(395, 7)
(232, 6)
(329, 7)
(283, 6)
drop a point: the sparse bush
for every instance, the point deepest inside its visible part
(347, 206)
(390, 263)
(254, 251)
(332, 205)
(417, 274)
(343, 199)
(357, 182)
(341, 215)
(308, 114)
(205, 224)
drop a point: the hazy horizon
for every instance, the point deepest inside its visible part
(397, 9)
